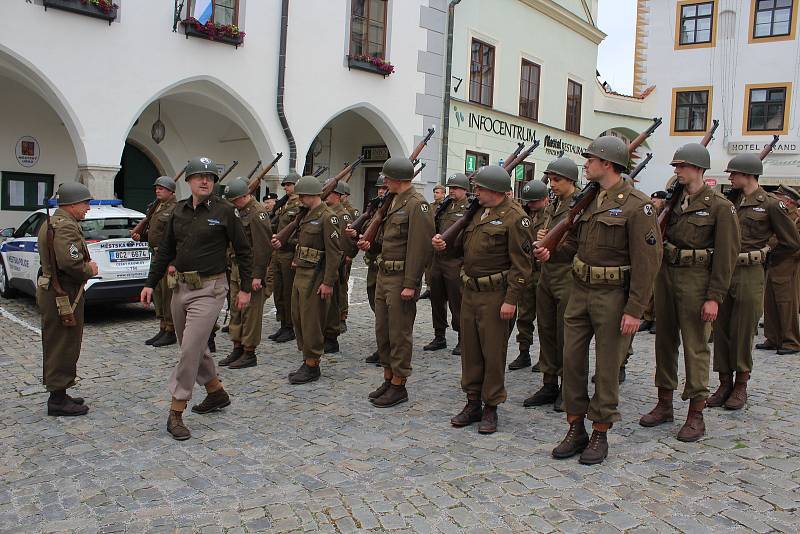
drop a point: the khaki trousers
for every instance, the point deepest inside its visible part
(61, 345)
(444, 282)
(283, 277)
(309, 313)
(162, 301)
(484, 344)
(245, 325)
(526, 313)
(593, 311)
(333, 317)
(195, 312)
(737, 321)
(552, 296)
(394, 323)
(372, 281)
(781, 305)
(344, 296)
(680, 293)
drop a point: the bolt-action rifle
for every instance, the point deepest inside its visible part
(142, 226)
(255, 182)
(640, 167)
(319, 172)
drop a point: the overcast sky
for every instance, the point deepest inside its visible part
(617, 19)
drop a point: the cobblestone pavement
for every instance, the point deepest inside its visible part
(319, 457)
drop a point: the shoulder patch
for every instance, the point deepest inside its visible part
(733, 209)
(649, 210)
(525, 222)
(783, 206)
(650, 238)
(236, 211)
(262, 216)
(335, 235)
(334, 219)
(356, 213)
(424, 207)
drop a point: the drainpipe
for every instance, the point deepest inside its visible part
(448, 76)
(281, 89)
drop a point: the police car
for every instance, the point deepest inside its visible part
(122, 263)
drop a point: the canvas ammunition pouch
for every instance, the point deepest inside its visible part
(194, 280)
(687, 257)
(172, 280)
(492, 282)
(370, 261)
(390, 266)
(311, 256)
(754, 257)
(588, 274)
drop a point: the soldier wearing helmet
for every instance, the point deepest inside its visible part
(617, 252)
(162, 295)
(765, 227)
(195, 242)
(283, 274)
(63, 253)
(701, 243)
(245, 325)
(444, 278)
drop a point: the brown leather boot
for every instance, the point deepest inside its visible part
(574, 442)
(176, 427)
(597, 449)
(489, 420)
(723, 391)
(381, 389)
(471, 413)
(662, 413)
(214, 401)
(393, 396)
(738, 397)
(694, 428)
(547, 394)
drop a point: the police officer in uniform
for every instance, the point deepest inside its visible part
(371, 260)
(162, 296)
(62, 329)
(196, 243)
(245, 325)
(406, 251)
(444, 276)
(761, 215)
(497, 268)
(316, 263)
(617, 254)
(282, 272)
(701, 244)
(554, 287)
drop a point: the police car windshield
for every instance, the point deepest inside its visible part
(100, 229)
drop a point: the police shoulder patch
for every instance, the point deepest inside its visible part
(424, 207)
(525, 222)
(334, 220)
(649, 210)
(73, 251)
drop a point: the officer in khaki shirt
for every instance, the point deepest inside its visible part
(245, 325)
(406, 235)
(617, 254)
(282, 272)
(701, 244)
(497, 268)
(316, 263)
(444, 275)
(761, 215)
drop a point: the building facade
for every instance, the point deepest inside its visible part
(128, 93)
(734, 61)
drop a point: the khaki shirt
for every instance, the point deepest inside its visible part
(624, 231)
(258, 229)
(406, 234)
(284, 216)
(499, 242)
(708, 222)
(454, 211)
(761, 216)
(348, 246)
(319, 230)
(71, 255)
(159, 220)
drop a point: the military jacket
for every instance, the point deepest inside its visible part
(406, 234)
(159, 220)
(258, 229)
(71, 255)
(349, 248)
(623, 231)
(354, 213)
(708, 222)
(454, 211)
(284, 216)
(554, 214)
(319, 243)
(761, 215)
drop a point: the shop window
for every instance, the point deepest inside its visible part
(474, 161)
(574, 99)
(529, 90)
(481, 85)
(25, 191)
(773, 20)
(767, 108)
(696, 24)
(368, 28)
(691, 107)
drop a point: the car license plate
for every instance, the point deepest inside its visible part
(133, 254)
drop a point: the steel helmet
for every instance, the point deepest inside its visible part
(72, 193)
(399, 169)
(291, 178)
(534, 190)
(746, 164)
(494, 178)
(379, 182)
(609, 148)
(343, 188)
(308, 185)
(166, 182)
(564, 167)
(238, 187)
(202, 165)
(693, 154)
(459, 180)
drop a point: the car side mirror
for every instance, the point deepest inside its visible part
(7, 232)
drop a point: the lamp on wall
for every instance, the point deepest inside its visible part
(158, 132)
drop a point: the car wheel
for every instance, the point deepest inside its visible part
(5, 287)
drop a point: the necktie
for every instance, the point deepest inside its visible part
(600, 199)
(685, 202)
(485, 213)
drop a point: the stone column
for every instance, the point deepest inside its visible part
(99, 179)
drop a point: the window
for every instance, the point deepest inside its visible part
(481, 73)
(474, 161)
(368, 28)
(529, 90)
(773, 20)
(696, 27)
(25, 191)
(523, 173)
(574, 92)
(30, 228)
(218, 11)
(691, 108)
(767, 108)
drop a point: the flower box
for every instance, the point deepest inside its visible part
(101, 9)
(370, 64)
(213, 32)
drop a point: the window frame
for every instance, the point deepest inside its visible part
(27, 177)
(528, 63)
(478, 157)
(748, 89)
(679, 24)
(480, 83)
(674, 109)
(365, 40)
(191, 5)
(577, 131)
(751, 38)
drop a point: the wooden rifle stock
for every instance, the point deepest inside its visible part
(642, 137)
(330, 184)
(233, 166)
(556, 234)
(362, 219)
(141, 226)
(450, 236)
(768, 148)
(256, 181)
(414, 157)
(521, 156)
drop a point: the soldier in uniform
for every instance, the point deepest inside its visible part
(406, 251)
(245, 325)
(444, 275)
(316, 263)
(761, 215)
(781, 302)
(497, 268)
(269, 201)
(70, 261)
(282, 272)
(162, 296)
(535, 200)
(554, 287)
(196, 243)
(701, 243)
(617, 254)
(439, 194)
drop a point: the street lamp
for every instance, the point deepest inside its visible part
(158, 131)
